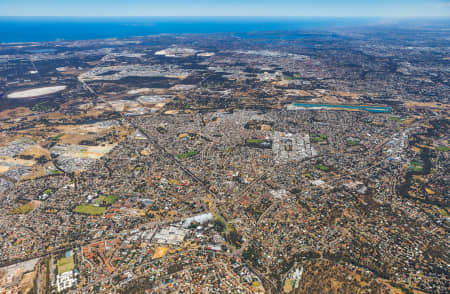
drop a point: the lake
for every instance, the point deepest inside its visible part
(337, 106)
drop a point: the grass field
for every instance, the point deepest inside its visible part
(55, 172)
(187, 154)
(56, 138)
(319, 138)
(416, 166)
(255, 141)
(289, 77)
(443, 148)
(352, 142)
(443, 212)
(322, 167)
(89, 209)
(24, 209)
(108, 199)
(65, 264)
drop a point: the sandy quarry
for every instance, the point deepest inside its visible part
(36, 92)
(176, 52)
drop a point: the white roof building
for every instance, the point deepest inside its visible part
(65, 281)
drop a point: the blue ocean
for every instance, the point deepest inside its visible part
(39, 29)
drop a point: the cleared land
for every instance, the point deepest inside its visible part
(36, 92)
(160, 252)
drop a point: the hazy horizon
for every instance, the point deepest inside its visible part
(231, 8)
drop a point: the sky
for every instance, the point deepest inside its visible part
(339, 8)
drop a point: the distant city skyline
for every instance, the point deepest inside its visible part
(318, 8)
